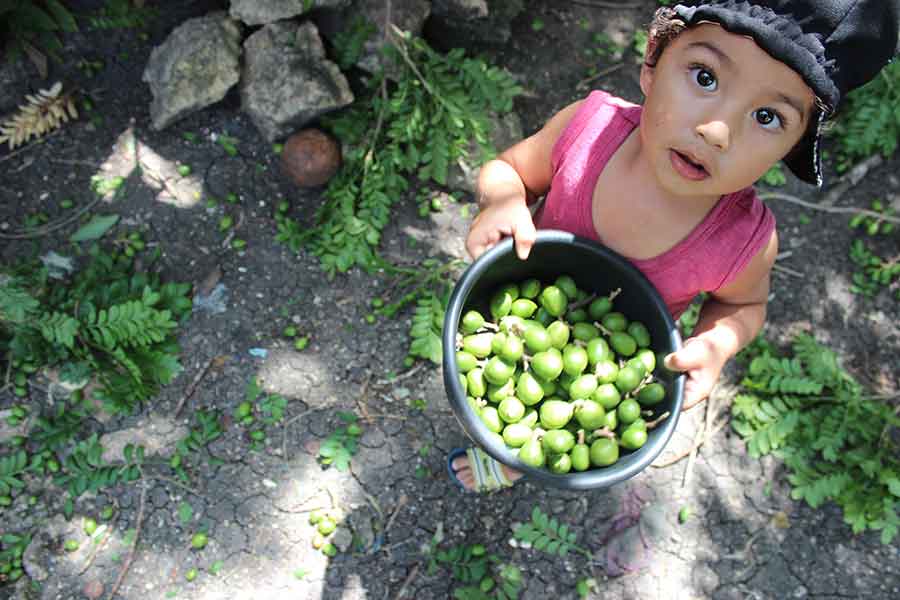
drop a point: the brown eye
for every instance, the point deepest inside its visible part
(705, 78)
(768, 118)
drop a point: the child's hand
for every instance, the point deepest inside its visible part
(498, 220)
(702, 363)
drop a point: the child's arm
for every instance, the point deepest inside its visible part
(507, 184)
(729, 320)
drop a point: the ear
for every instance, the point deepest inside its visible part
(646, 78)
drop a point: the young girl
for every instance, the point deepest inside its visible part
(731, 87)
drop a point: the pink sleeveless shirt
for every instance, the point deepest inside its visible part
(711, 256)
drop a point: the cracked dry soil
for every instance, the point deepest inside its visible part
(746, 538)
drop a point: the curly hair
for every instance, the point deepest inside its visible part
(664, 28)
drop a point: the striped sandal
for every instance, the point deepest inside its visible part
(489, 476)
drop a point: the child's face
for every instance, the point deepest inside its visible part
(719, 112)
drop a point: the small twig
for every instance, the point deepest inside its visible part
(599, 75)
(829, 209)
(850, 180)
(412, 575)
(51, 227)
(29, 146)
(102, 542)
(601, 4)
(787, 271)
(137, 532)
(401, 502)
(401, 376)
(189, 390)
(72, 161)
(685, 454)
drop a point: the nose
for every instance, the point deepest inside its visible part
(716, 133)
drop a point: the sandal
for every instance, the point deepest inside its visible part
(488, 473)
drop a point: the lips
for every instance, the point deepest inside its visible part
(688, 166)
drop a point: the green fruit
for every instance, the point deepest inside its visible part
(191, 574)
(559, 334)
(633, 438)
(579, 315)
(511, 409)
(606, 371)
(107, 513)
(301, 342)
(590, 415)
(564, 383)
(465, 361)
(543, 317)
(476, 383)
(498, 371)
(583, 386)
(614, 321)
(639, 332)
(5, 501)
(198, 542)
(71, 545)
(516, 434)
(512, 349)
(548, 364)
(289, 331)
(478, 344)
(559, 463)
(487, 584)
(597, 349)
(90, 526)
(528, 389)
(646, 356)
(471, 322)
(478, 550)
(622, 343)
(536, 337)
(567, 285)
(491, 419)
(184, 170)
(628, 411)
(558, 441)
(530, 288)
(474, 404)
(612, 420)
(585, 331)
(604, 452)
(638, 365)
(329, 549)
(607, 395)
(258, 435)
(555, 414)
(651, 394)
(316, 516)
(497, 393)
(326, 526)
(243, 410)
(553, 300)
(523, 307)
(575, 360)
(532, 452)
(599, 307)
(512, 323)
(354, 429)
(581, 457)
(549, 387)
(501, 304)
(628, 379)
(497, 341)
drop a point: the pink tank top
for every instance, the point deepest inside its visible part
(711, 256)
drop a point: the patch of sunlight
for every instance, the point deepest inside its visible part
(156, 171)
(283, 372)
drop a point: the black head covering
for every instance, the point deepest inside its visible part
(834, 45)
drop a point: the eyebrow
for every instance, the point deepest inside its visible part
(727, 60)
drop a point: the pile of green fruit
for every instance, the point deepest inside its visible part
(559, 375)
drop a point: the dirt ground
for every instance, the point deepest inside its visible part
(747, 538)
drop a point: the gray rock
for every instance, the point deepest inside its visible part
(506, 130)
(157, 434)
(406, 15)
(463, 23)
(287, 80)
(195, 67)
(263, 12)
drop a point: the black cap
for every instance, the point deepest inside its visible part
(834, 45)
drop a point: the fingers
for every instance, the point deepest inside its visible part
(693, 354)
(524, 235)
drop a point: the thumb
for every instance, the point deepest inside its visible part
(524, 236)
(689, 357)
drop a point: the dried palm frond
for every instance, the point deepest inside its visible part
(45, 111)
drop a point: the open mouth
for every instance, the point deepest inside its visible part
(687, 167)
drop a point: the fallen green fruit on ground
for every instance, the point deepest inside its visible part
(71, 545)
(191, 574)
(90, 526)
(198, 542)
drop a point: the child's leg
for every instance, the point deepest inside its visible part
(462, 469)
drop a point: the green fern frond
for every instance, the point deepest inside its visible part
(58, 328)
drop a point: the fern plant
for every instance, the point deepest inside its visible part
(876, 272)
(835, 441)
(869, 122)
(547, 534)
(482, 575)
(32, 27)
(107, 321)
(417, 128)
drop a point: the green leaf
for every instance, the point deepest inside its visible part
(95, 229)
(185, 513)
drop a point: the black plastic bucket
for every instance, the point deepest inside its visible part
(596, 269)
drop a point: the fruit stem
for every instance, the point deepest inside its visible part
(658, 420)
(605, 432)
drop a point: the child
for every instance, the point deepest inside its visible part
(731, 87)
